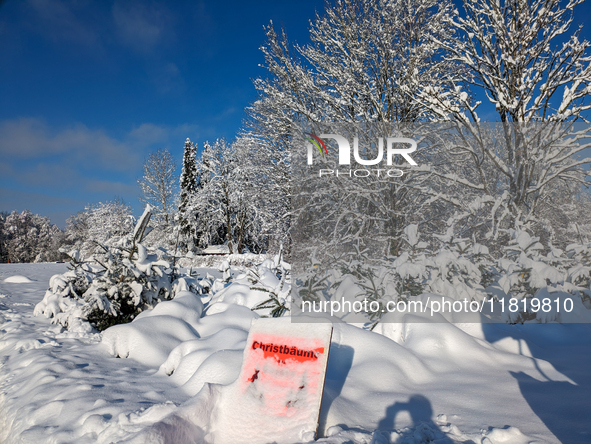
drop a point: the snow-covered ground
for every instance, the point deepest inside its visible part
(166, 377)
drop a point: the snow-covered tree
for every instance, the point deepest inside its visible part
(367, 61)
(3, 238)
(104, 223)
(158, 182)
(524, 56)
(224, 201)
(29, 237)
(265, 180)
(366, 64)
(233, 204)
(188, 182)
(537, 73)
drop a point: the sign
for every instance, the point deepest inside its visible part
(277, 396)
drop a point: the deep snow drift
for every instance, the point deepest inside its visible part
(165, 377)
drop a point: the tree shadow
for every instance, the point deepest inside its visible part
(561, 405)
(340, 360)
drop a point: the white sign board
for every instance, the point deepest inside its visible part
(276, 398)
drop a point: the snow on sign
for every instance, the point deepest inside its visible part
(277, 396)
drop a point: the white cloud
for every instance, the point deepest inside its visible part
(112, 188)
(150, 133)
(29, 138)
(26, 137)
(33, 154)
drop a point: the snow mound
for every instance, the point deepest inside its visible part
(221, 367)
(18, 279)
(185, 306)
(147, 340)
(174, 337)
(151, 337)
(505, 435)
(189, 355)
(220, 316)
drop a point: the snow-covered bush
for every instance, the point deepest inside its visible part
(111, 287)
(457, 269)
(460, 268)
(273, 277)
(524, 271)
(264, 288)
(579, 273)
(125, 287)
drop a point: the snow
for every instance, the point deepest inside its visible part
(216, 249)
(175, 379)
(17, 279)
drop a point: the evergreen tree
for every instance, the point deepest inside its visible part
(189, 181)
(3, 238)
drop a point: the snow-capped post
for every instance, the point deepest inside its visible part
(140, 229)
(278, 394)
(173, 273)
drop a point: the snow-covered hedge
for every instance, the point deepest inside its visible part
(458, 269)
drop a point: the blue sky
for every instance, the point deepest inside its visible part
(89, 88)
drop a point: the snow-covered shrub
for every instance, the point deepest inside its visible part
(391, 278)
(412, 265)
(64, 301)
(125, 287)
(272, 277)
(111, 287)
(312, 282)
(358, 277)
(525, 271)
(579, 272)
(520, 277)
(264, 289)
(459, 268)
